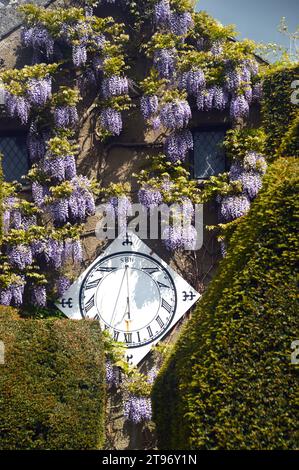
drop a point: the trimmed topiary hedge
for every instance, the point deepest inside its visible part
(230, 384)
(279, 112)
(52, 390)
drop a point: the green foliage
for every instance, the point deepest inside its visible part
(16, 81)
(278, 109)
(206, 26)
(238, 142)
(52, 392)
(230, 384)
(172, 180)
(66, 97)
(290, 143)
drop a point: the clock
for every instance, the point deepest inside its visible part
(132, 293)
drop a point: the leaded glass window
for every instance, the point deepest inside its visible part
(15, 157)
(209, 155)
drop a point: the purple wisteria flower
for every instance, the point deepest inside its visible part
(217, 48)
(15, 219)
(209, 99)
(76, 207)
(176, 114)
(239, 107)
(39, 193)
(59, 168)
(192, 81)
(251, 183)
(77, 252)
(36, 143)
(17, 106)
(256, 162)
(17, 293)
(245, 72)
(54, 168)
(62, 285)
(112, 375)
(200, 100)
(39, 39)
(149, 197)
(70, 167)
(111, 120)
(177, 145)
(234, 206)
(28, 221)
(179, 237)
(187, 211)
(114, 86)
(20, 256)
(120, 207)
(60, 210)
(65, 116)
(165, 61)
(137, 409)
(5, 296)
(149, 105)
(180, 23)
(220, 98)
(156, 123)
(233, 80)
(53, 253)
(39, 295)
(39, 91)
(6, 220)
(79, 54)
(162, 13)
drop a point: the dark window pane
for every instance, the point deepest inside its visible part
(15, 157)
(209, 156)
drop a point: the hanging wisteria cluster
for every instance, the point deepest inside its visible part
(249, 173)
(138, 409)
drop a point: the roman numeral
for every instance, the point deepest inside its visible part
(151, 270)
(89, 304)
(149, 331)
(97, 317)
(160, 284)
(92, 284)
(138, 337)
(128, 337)
(166, 305)
(115, 335)
(159, 321)
(105, 269)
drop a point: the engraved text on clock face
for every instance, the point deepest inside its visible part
(131, 294)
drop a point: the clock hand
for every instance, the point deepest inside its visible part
(128, 308)
(116, 302)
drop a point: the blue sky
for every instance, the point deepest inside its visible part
(255, 19)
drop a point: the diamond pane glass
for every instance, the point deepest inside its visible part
(209, 156)
(15, 157)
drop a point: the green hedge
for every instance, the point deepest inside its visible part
(278, 110)
(230, 384)
(52, 390)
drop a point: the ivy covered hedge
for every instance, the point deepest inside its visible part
(51, 386)
(279, 113)
(229, 383)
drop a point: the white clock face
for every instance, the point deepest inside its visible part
(132, 292)
(132, 295)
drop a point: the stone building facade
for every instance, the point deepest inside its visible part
(116, 161)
